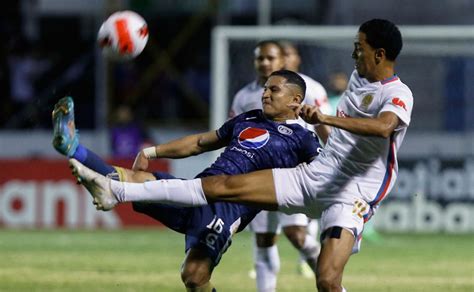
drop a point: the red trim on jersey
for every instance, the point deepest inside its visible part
(388, 174)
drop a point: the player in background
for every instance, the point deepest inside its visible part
(254, 140)
(268, 57)
(344, 185)
(337, 85)
(316, 94)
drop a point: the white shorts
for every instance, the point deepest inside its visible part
(349, 217)
(303, 190)
(273, 221)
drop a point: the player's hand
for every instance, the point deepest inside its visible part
(141, 162)
(309, 113)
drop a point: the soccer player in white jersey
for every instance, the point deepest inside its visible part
(344, 185)
(269, 56)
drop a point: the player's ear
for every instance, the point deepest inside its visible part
(379, 55)
(298, 98)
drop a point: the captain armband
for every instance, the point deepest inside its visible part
(150, 152)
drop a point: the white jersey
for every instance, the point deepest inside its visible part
(250, 98)
(316, 95)
(366, 166)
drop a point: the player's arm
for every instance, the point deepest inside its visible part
(381, 126)
(323, 132)
(189, 145)
(180, 148)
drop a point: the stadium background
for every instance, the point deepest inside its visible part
(49, 50)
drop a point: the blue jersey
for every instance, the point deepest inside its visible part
(254, 143)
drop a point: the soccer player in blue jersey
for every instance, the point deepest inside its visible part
(254, 140)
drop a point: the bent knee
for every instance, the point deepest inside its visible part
(326, 284)
(216, 185)
(194, 277)
(328, 276)
(296, 235)
(265, 239)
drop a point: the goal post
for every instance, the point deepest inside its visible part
(222, 35)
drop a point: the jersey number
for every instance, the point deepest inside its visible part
(216, 225)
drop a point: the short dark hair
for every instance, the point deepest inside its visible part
(382, 33)
(271, 42)
(292, 78)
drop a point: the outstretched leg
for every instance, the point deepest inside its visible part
(255, 189)
(66, 142)
(65, 135)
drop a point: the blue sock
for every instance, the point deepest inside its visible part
(92, 160)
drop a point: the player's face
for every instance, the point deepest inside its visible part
(276, 97)
(364, 56)
(292, 59)
(268, 58)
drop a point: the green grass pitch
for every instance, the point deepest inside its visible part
(150, 259)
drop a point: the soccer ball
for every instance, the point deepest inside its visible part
(123, 35)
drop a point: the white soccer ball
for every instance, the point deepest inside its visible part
(123, 35)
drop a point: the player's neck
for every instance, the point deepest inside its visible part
(382, 73)
(282, 119)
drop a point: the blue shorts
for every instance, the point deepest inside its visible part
(209, 228)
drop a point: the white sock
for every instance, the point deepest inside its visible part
(166, 191)
(312, 230)
(311, 248)
(267, 266)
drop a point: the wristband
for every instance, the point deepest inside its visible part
(150, 152)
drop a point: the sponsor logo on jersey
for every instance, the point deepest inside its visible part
(367, 100)
(398, 102)
(253, 138)
(285, 130)
(247, 153)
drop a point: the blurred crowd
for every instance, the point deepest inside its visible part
(161, 86)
